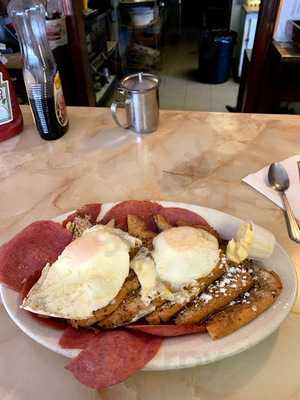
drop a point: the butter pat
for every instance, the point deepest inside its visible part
(238, 249)
(251, 241)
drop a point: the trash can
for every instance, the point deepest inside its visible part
(215, 55)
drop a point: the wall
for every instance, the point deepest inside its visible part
(236, 14)
(290, 9)
(236, 24)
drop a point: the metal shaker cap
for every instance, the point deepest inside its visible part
(140, 82)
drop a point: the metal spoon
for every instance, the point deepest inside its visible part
(279, 180)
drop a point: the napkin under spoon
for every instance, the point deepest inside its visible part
(279, 180)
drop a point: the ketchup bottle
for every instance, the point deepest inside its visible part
(11, 120)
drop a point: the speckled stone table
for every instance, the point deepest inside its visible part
(195, 158)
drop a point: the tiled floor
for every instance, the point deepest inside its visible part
(180, 89)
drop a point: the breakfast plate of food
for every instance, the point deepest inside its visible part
(146, 285)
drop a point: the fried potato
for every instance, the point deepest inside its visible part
(137, 227)
(206, 228)
(78, 225)
(161, 223)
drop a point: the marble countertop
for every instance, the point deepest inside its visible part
(194, 157)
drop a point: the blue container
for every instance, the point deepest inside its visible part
(215, 56)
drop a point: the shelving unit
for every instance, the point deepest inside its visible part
(102, 96)
(143, 47)
(94, 13)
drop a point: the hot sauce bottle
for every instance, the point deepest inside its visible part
(11, 120)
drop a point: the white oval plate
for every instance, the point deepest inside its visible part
(185, 351)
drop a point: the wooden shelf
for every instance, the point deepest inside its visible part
(288, 52)
(89, 13)
(100, 95)
(154, 25)
(104, 55)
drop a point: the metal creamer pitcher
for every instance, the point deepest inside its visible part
(141, 102)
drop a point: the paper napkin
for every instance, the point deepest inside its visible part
(259, 181)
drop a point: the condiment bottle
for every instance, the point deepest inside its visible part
(11, 120)
(41, 76)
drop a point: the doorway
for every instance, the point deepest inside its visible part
(181, 86)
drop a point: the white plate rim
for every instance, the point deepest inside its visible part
(156, 363)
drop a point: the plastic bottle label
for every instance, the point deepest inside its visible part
(6, 114)
(60, 105)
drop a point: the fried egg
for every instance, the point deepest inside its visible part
(184, 254)
(180, 257)
(87, 275)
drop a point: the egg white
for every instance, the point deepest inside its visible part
(184, 254)
(180, 257)
(87, 275)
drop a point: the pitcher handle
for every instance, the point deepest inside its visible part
(114, 109)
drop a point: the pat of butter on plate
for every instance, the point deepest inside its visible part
(251, 241)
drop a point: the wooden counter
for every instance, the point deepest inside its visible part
(194, 157)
